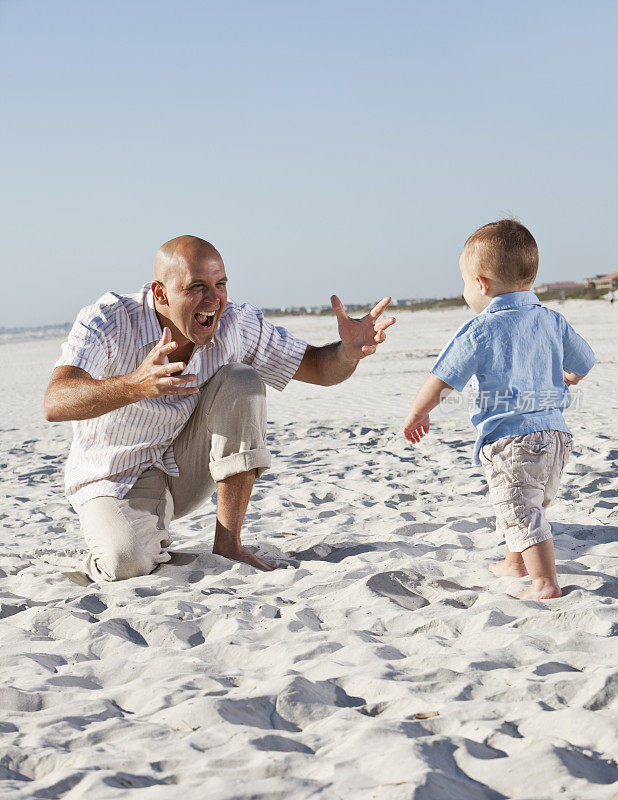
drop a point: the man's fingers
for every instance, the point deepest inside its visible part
(379, 337)
(182, 380)
(338, 308)
(383, 324)
(170, 369)
(179, 385)
(163, 347)
(379, 308)
(369, 349)
(166, 349)
(184, 390)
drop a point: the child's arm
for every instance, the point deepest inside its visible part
(578, 357)
(428, 397)
(457, 363)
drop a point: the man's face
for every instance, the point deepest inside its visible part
(195, 296)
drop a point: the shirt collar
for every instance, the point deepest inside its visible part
(150, 330)
(512, 300)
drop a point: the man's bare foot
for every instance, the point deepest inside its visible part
(508, 568)
(240, 554)
(541, 590)
(233, 495)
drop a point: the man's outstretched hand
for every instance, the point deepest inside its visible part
(361, 337)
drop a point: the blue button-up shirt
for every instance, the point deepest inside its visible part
(515, 351)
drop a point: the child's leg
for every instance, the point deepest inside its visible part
(564, 445)
(494, 456)
(541, 565)
(512, 565)
(539, 558)
(519, 471)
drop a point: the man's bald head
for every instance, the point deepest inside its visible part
(175, 256)
(189, 285)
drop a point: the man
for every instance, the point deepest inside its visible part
(166, 392)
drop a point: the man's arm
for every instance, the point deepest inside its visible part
(429, 396)
(333, 363)
(73, 394)
(325, 366)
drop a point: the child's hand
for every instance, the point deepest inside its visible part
(571, 379)
(428, 397)
(415, 427)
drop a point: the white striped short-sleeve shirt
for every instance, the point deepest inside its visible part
(112, 337)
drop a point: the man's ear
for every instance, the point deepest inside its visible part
(158, 289)
(483, 283)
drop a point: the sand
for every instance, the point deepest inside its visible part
(384, 662)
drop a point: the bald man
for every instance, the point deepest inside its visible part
(165, 390)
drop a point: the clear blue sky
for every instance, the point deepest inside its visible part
(321, 146)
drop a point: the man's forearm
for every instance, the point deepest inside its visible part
(75, 398)
(326, 365)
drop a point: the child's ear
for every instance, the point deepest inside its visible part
(483, 283)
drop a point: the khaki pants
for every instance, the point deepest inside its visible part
(224, 436)
(523, 474)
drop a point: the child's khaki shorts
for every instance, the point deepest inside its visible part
(523, 473)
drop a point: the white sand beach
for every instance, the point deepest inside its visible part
(385, 662)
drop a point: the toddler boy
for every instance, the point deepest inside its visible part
(523, 358)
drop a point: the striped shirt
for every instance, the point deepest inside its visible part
(112, 337)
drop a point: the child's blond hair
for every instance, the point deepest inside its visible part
(505, 250)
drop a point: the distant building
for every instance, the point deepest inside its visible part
(557, 287)
(608, 282)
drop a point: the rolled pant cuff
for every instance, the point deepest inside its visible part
(236, 463)
(518, 545)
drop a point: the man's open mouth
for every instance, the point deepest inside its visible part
(205, 319)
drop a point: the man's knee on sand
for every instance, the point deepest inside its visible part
(122, 552)
(122, 562)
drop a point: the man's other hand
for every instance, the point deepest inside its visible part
(361, 337)
(153, 377)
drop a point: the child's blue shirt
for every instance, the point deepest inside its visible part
(516, 349)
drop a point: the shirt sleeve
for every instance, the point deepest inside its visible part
(89, 344)
(272, 351)
(578, 356)
(459, 360)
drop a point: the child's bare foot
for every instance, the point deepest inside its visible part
(513, 566)
(541, 590)
(541, 565)
(508, 568)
